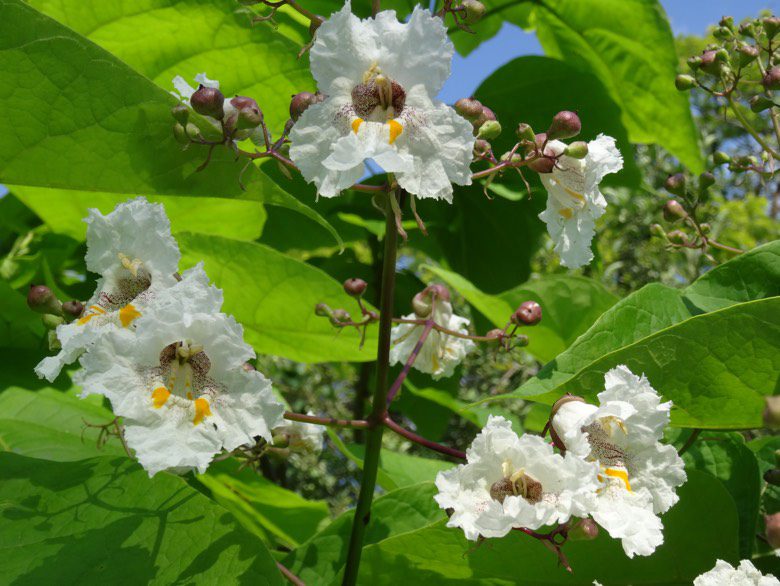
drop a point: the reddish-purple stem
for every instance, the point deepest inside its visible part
(412, 357)
(418, 439)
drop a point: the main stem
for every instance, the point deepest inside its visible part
(378, 408)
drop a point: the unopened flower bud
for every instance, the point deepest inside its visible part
(542, 165)
(772, 524)
(722, 33)
(705, 227)
(50, 322)
(694, 62)
(676, 184)
(422, 305)
(180, 113)
(746, 30)
(72, 309)
(249, 113)
(355, 287)
(489, 130)
(565, 124)
(759, 103)
(192, 131)
(41, 299)
(706, 180)
(772, 412)
(495, 335)
(208, 101)
(340, 315)
(469, 108)
(525, 132)
(585, 530)
(673, 211)
(771, 79)
(677, 237)
(772, 477)
(747, 54)
(474, 11)
(684, 82)
(529, 313)
(540, 140)
(771, 25)
(577, 150)
(710, 62)
(486, 115)
(727, 21)
(439, 291)
(180, 134)
(567, 398)
(657, 230)
(301, 101)
(720, 158)
(322, 310)
(481, 147)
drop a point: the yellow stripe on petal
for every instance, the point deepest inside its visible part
(619, 473)
(395, 130)
(127, 314)
(566, 213)
(160, 396)
(574, 194)
(356, 124)
(86, 318)
(202, 410)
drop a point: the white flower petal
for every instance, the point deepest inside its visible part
(724, 574)
(629, 517)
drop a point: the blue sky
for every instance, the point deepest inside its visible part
(686, 16)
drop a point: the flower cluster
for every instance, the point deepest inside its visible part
(724, 574)
(612, 467)
(157, 345)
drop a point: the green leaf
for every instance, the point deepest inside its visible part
(86, 121)
(439, 555)
(766, 452)
(54, 425)
(273, 297)
(19, 326)
(64, 212)
(727, 458)
(356, 457)
(405, 469)
(103, 521)
(319, 560)
(261, 506)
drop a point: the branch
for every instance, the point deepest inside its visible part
(328, 421)
(291, 578)
(418, 439)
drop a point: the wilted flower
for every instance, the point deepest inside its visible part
(179, 381)
(512, 482)
(441, 352)
(381, 77)
(574, 201)
(724, 574)
(134, 253)
(639, 475)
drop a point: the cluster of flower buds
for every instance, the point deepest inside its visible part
(482, 118)
(340, 318)
(53, 312)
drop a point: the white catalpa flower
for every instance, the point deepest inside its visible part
(511, 482)
(301, 436)
(724, 574)
(574, 201)
(179, 381)
(381, 77)
(639, 474)
(136, 257)
(441, 352)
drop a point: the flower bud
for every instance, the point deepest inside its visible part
(542, 165)
(706, 180)
(772, 412)
(677, 237)
(41, 299)
(772, 477)
(469, 108)
(747, 54)
(771, 25)
(540, 140)
(577, 150)
(474, 11)
(485, 116)
(340, 315)
(72, 309)
(657, 230)
(489, 130)
(585, 530)
(529, 313)
(684, 83)
(720, 158)
(422, 305)
(192, 131)
(481, 147)
(565, 124)
(676, 184)
(710, 62)
(771, 79)
(180, 113)
(673, 211)
(759, 103)
(249, 113)
(694, 62)
(772, 523)
(727, 21)
(322, 310)
(439, 291)
(721, 32)
(208, 101)
(567, 398)
(496, 335)
(525, 132)
(746, 30)
(301, 101)
(180, 134)
(355, 287)
(705, 227)
(50, 322)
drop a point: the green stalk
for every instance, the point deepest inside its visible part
(378, 405)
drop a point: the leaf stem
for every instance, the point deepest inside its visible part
(378, 408)
(689, 442)
(418, 439)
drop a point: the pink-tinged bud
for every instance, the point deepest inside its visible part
(727, 21)
(469, 108)
(684, 83)
(677, 237)
(577, 150)
(249, 113)
(540, 140)
(565, 124)
(772, 523)
(355, 287)
(676, 184)
(529, 313)
(746, 30)
(747, 54)
(485, 117)
(771, 25)
(340, 315)
(474, 11)
(585, 530)
(180, 113)
(208, 101)
(41, 299)
(673, 211)
(496, 334)
(72, 309)
(322, 310)
(439, 291)
(542, 165)
(301, 101)
(771, 79)
(772, 412)
(481, 147)
(525, 132)
(710, 62)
